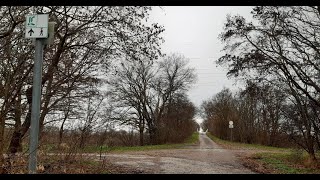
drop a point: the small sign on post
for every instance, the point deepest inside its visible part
(37, 26)
(230, 127)
(230, 124)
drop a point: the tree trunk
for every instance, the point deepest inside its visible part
(153, 135)
(16, 145)
(312, 160)
(141, 137)
(82, 139)
(2, 170)
(66, 114)
(61, 131)
(19, 133)
(310, 146)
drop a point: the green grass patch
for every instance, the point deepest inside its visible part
(277, 160)
(95, 149)
(193, 139)
(237, 145)
(285, 163)
(48, 147)
(147, 147)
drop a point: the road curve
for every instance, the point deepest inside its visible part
(205, 158)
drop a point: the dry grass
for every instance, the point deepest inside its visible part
(64, 164)
(271, 160)
(255, 166)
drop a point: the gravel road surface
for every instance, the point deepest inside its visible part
(205, 158)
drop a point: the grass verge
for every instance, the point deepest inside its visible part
(193, 139)
(71, 163)
(238, 145)
(272, 160)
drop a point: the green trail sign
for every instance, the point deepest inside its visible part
(37, 26)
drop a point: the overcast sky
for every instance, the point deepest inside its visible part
(193, 31)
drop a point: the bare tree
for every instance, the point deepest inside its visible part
(14, 67)
(89, 110)
(86, 40)
(174, 77)
(144, 89)
(129, 90)
(281, 45)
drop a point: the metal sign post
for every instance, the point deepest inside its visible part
(35, 113)
(36, 27)
(231, 127)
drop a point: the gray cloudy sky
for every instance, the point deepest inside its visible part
(193, 31)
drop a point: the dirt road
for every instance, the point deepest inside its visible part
(205, 158)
